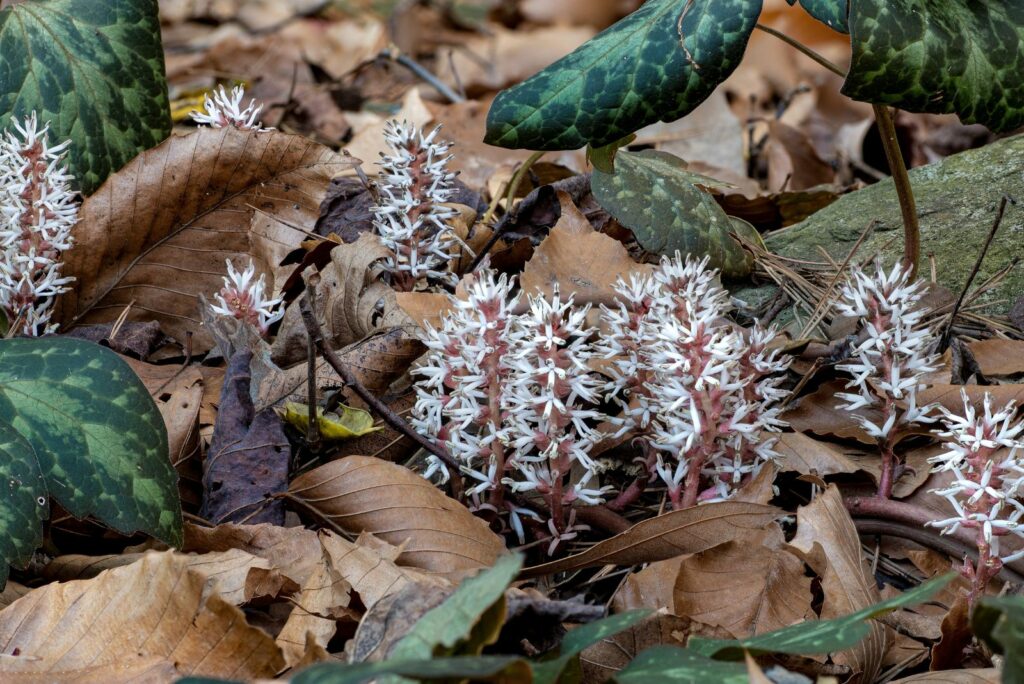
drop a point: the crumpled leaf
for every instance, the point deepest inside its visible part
(579, 261)
(155, 607)
(94, 71)
(294, 551)
(690, 530)
(360, 493)
(157, 233)
(654, 195)
(352, 422)
(658, 63)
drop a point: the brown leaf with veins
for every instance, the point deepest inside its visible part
(748, 586)
(828, 539)
(690, 530)
(157, 232)
(156, 607)
(578, 260)
(294, 551)
(129, 669)
(988, 675)
(359, 493)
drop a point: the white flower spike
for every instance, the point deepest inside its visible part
(226, 111)
(37, 212)
(244, 298)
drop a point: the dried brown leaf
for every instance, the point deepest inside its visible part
(690, 530)
(360, 493)
(294, 551)
(988, 675)
(155, 607)
(156, 234)
(950, 397)
(999, 357)
(848, 585)
(130, 669)
(578, 260)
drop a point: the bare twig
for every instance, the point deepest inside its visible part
(394, 55)
(948, 327)
(831, 66)
(313, 428)
(379, 407)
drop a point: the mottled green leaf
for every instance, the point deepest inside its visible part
(941, 56)
(473, 668)
(675, 665)
(657, 64)
(471, 617)
(653, 195)
(817, 636)
(576, 641)
(832, 13)
(94, 70)
(23, 503)
(999, 622)
(97, 439)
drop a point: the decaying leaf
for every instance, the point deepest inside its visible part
(349, 423)
(360, 493)
(156, 607)
(156, 235)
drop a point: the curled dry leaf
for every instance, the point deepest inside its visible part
(828, 540)
(748, 586)
(293, 551)
(156, 234)
(156, 607)
(578, 260)
(690, 530)
(359, 493)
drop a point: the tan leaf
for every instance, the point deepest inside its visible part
(754, 671)
(690, 530)
(130, 669)
(424, 308)
(369, 566)
(11, 593)
(294, 551)
(155, 607)
(748, 586)
(845, 578)
(999, 357)
(318, 607)
(949, 395)
(226, 572)
(578, 260)
(359, 493)
(653, 587)
(988, 675)
(819, 413)
(156, 234)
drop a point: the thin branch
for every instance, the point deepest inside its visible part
(392, 54)
(378, 406)
(831, 66)
(313, 428)
(948, 327)
(900, 177)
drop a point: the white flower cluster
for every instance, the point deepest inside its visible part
(226, 111)
(888, 365)
(411, 218)
(37, 213)
(244, 298)
(702, 392)
(984, 457)
(504, 393)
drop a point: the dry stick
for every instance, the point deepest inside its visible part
(898, 168)
(947, 328)
(313, 429)
(394, 55)
(378, 406)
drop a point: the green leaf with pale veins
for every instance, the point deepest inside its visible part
(94, 70)
(832, 13)
(674, 665)
(655, 196)
(75, 415)
(941, 56)
(999, 622)
(550, 670)
(657, 64)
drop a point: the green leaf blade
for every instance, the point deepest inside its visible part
(657, 64)
(832, 13)
(24, 501)
(94, 70)
(957, 56)
(655, 196)
(679, 666)
(98, 438)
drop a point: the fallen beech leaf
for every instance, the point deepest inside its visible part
(988, 675)
(128, 669)
(155, 607)
(748, 586)
(949, 395)
(369, 566)
(653, 587)
(226, 572)
(319, 605)
(294, 551)
(359, 493)
(845, 579)
(998, 357)
(424, 308)
(578, 260)
(156, 234)
(819, 413)
(793, 163)
(956, 636)
(12, 592)
(690, 530)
